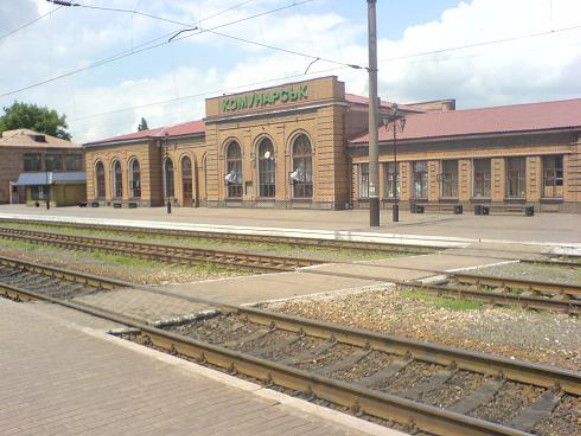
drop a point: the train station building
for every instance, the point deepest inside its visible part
(304, 145)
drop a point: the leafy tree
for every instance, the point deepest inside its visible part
(142, 125)
(39, 119)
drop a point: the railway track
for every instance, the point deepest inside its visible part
(160, 253)
(237, 237)
(439, 389)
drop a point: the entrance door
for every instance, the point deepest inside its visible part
(187, 185)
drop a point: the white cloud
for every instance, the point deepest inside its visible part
(531, 69)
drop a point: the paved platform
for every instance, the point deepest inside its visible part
(62, 379)
(552, 229)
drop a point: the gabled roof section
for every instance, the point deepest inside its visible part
(31, 139)
(564, 114)
(383, 104)
(196, 127)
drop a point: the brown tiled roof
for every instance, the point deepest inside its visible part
(189, 128)
(383, 104)
(501, 119)
(30, 138)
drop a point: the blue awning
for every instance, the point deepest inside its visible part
(50, 178)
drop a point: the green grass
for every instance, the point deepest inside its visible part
(285, 250)
(456, 304)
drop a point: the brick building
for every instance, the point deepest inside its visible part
(303, 145)
(34, 166)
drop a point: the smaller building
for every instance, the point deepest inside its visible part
(36, 168)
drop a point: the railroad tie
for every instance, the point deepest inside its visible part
(281, 345)
(344, 364)
(385, 373)
(485, 393)
(246, 339)
(528, 418)
(309, 354)
(437, 380)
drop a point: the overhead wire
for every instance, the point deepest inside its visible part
(30, 23)
(146, 47)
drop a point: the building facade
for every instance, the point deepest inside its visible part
(36, 168)
(304, 145)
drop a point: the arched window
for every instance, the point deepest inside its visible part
(187, 185)
(100, 179)
(266, 173)
(117, 180)
(168, 180)
(135, 179)
(302, 175)
(234, 170)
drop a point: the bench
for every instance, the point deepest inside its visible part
(83, 204)
(485, 209)
(132, 205)
(117, 205)
(95, 204)
(457, 209)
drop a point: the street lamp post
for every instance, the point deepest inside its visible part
(394, 119)
(164, 169)
(46, 186)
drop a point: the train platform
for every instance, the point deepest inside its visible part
(61, 378)
(551, 230)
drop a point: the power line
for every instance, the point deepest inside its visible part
(484, 43)
(30, 23)
(133, 51)
(247, 85)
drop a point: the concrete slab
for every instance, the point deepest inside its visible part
(560, 230)
(252, 289)
(61, 379)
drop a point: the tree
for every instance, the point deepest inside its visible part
(39, 119)
(142, 125)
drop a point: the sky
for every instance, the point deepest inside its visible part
(106, 69)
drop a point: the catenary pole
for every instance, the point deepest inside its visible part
(373, 127)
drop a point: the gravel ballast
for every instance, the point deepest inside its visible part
(547, 338)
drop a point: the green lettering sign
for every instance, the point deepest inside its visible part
(260, 100)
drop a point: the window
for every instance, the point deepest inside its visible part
(54, 162)
(135, 179)
(449, 179)
(266, 169)
(420, 179)
(234, 170)
(74, 162)
(100, 182)
(187, 182)
(389, 178)
(32, 162)
(516, 177)
(302, 175)
(364, 180)
(553, 177)
(117, 180)
(481, 178)
(168, 178)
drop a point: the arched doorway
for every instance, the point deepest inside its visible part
(187, 183)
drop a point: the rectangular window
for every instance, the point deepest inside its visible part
(54, 162)
(420, 179)
(553, 177)
(37, 192)
(516, 177)
(449, 179)
(389, 177)
(364, 180)
(482, 176)
(74, 162)
(32, 162)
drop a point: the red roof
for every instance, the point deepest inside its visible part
(359, 99)
(502, 119)
(189, 128)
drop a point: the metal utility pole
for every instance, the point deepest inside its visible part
(373, 127)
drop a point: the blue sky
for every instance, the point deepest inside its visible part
(523, 68)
